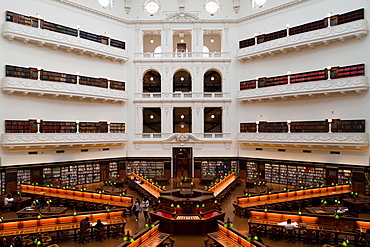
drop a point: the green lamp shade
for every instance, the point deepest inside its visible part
(146, 225)
(132, 240)
(125, 239)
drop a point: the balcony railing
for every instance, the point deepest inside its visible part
(26, 140)
(357, 140)
(182, 96)
(192, 138)
(181, 56)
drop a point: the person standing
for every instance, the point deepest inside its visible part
(137, 208)
(145, 205)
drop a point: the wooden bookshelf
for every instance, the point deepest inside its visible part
(58, 127)
(251, 84)
(21, 72)
(54, 27)
(117, 128)
(89, 127)
(117, 85)
(307, 27)
(58, 77)
(351, 126)
(22, 19)
(246, 43)
(318, 75)
(58, 28)
(17, 126)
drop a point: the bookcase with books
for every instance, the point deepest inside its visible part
(117, 128)
(90, 81)
(96, 172)
(2, 183)
(247, 42)
(58, 28)
(218, 167)
(146, 168)
(57, 77)
(112, 169)
(17, 126)
(24, 176)
(69, 175)
(318, 75)
(118, 43)
(309, 127)
(117, 85)
(90, 36)
(248, 127)
(283, 171)
(89, 127)
(344, 175)
(22, 19)
(268, 172)
(251, 168)
(352, 126)
(88, 173)
(250, 84)
(292, 178)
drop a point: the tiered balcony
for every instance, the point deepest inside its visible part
(65, 38)
(321, 32)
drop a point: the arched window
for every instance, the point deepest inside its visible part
(152, 82)
(152, 6)
(212, 82)
(158, 51)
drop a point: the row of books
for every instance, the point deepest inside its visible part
(318, 75)
(15, 126)
(353, 126)
(32, 73)
(315, 25)
(34, 22)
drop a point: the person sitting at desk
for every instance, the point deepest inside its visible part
(99, 230)
(99, 225)
(289, 225)
(8, 201)
(85, 224)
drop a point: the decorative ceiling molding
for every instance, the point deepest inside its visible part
(182, 137)
(44, 88)
(306, 139)
(221, 20)
(343, 85)
(26, 140)
(182, 17)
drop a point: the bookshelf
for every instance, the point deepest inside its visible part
(3, 183)
(283, 178)
(248, 127)
(307, 27)
(58, 28)
(89, 127)
(352, 126)
(317, 75)
(147, 168)
(88, 173)
(117, 85)
(251, 84)
(292, 172)
(276, 127)
(251, 168)
(33, 73)
(17, 126)
(57, 77)
(344, 175)
(24, 176)
(309, 127)
(215, 168)
(112, 169)
(96, 172)
(22, 19)
(69, 175)
(117, 128)
(58, 127)
(268, 173)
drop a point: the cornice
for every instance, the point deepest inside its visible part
(305, 139)
(57, 41)
(26, 140)
(309, 39)
(343, 85)
(43, 88)
(190, 18)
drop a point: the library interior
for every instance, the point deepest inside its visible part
(181, 122)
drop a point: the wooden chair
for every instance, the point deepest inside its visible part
(274, 233)
(309, 236)
(117, 231)
(290, 235)
(100, 235)
(83, 234)
(326, 237)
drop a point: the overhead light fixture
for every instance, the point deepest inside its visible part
(182, 116)
(151, 78)
(151, 39)
(212, 78)
(212, 116)
(151, 116)
(212, 39)
(182, 78)
(182, 40)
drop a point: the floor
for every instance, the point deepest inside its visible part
(240, 223)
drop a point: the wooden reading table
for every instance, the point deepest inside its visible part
(76, 195)
(33, 212)
(357, 203)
